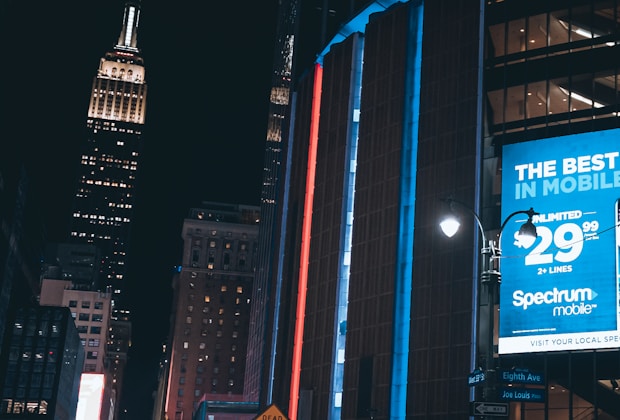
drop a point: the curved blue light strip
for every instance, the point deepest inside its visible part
(404, 262)
(342, 299)
(357, 24)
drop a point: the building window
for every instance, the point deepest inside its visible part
(181, 380)
(212, 244)
(202, 346)
(185, 345)
(98, 305)
(239, 289)
(92, 355)
(73, 304)
(223, 288)
(84, 317)
(95, 330)
(93, 342)
(188, 320)
(85, 304)
(207, 299)
(82, 329)
(97, 318)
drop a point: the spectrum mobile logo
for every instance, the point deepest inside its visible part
(576, 300)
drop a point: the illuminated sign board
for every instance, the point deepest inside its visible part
(562, 292)
(90, 396)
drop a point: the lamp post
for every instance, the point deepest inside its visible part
(490, 278)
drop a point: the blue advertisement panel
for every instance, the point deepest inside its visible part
(562, 292)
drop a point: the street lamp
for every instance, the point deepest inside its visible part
(490, 278)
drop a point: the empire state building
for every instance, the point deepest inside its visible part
(106, 179)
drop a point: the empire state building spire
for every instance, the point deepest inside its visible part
(129, 34)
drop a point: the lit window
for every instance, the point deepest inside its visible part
(185, 345)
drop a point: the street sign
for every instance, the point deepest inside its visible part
(489, 409)
(523, 394)
(521, 376)
(476, 377)
(271, 413)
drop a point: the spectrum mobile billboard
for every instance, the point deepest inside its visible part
(561, 293)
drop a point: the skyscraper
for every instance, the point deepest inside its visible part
(105, 195)
(211, 307)
(106, 180)
(260, 334)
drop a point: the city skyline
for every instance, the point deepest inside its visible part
(196, 149)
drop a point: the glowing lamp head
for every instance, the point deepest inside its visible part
(450, 225)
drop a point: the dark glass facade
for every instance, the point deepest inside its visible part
(551, 69)
(41, 371)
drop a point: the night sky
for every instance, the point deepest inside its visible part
(208, 70)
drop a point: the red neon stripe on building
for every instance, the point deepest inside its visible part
(305, 244)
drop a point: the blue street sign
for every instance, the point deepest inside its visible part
(522, 394)
(521, 376)
(476, 377)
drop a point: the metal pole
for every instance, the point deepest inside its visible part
(490, 278)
